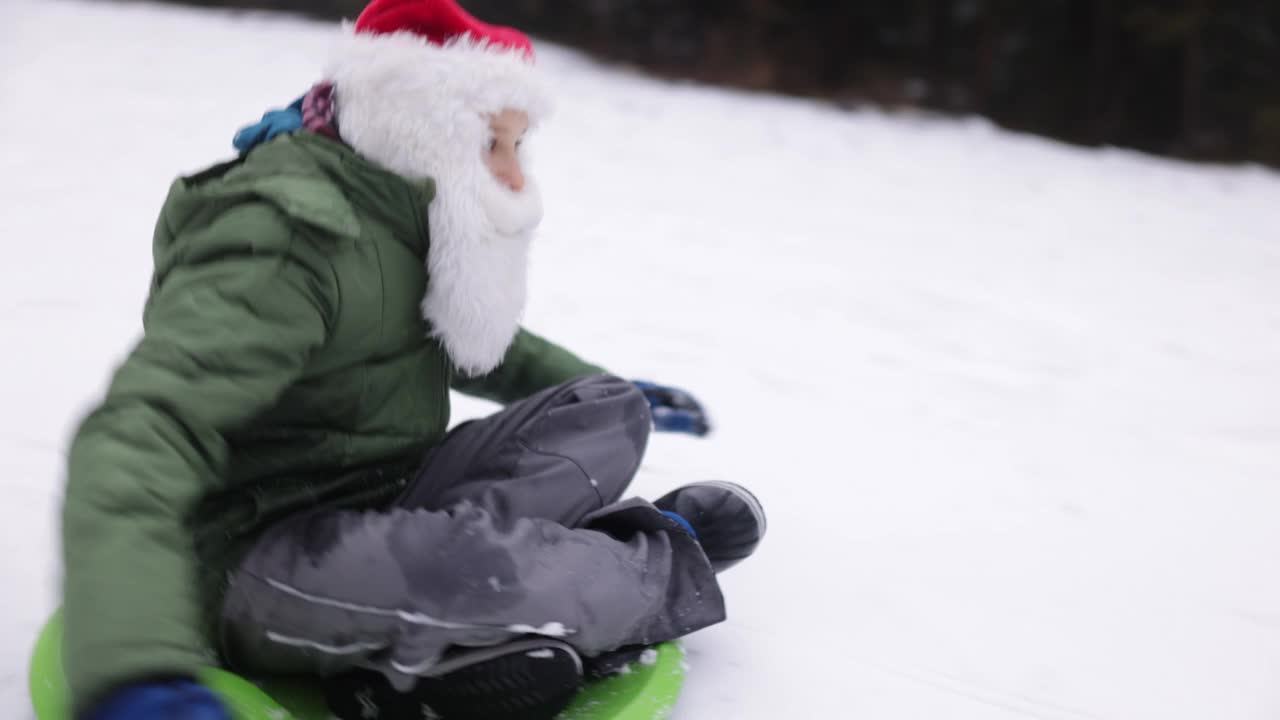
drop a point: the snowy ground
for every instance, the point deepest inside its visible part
(1013, 407)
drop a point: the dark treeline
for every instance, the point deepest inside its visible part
(1192, 78)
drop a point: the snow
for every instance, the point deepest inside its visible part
(1011, 406)
(551, 629)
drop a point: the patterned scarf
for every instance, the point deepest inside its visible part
(319, 113)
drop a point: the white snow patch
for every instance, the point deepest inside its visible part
(649, 657)
(551, 629)
(543, 654)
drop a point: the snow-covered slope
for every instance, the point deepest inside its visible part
(1013, 407)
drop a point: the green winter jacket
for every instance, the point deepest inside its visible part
(285, 365)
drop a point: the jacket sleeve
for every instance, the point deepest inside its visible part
(531, 364)
(224, 337)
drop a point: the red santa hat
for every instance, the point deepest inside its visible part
(439, 21)
(415, 72)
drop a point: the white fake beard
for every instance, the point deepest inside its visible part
(477, 267)
(421, 111)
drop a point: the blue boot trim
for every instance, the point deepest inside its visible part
(681, 522)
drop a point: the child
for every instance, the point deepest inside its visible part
(269, 475)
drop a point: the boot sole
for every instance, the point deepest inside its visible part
(524, 680)
(481, 655)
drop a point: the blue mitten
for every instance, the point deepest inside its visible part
(161, 700)
(273, 123)
(674, 410)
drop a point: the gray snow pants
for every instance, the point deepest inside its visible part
(511, 527)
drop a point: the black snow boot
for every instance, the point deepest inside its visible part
(531, 679)
(724, 517)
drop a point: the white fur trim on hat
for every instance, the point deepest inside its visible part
(399, 89)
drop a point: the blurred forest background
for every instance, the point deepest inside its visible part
(1189, 78)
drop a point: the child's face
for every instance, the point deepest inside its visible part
(506, 129)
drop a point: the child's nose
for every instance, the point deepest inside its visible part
(513, 177)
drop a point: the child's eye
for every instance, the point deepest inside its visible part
(493, 145)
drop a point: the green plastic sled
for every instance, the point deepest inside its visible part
(648, 692)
